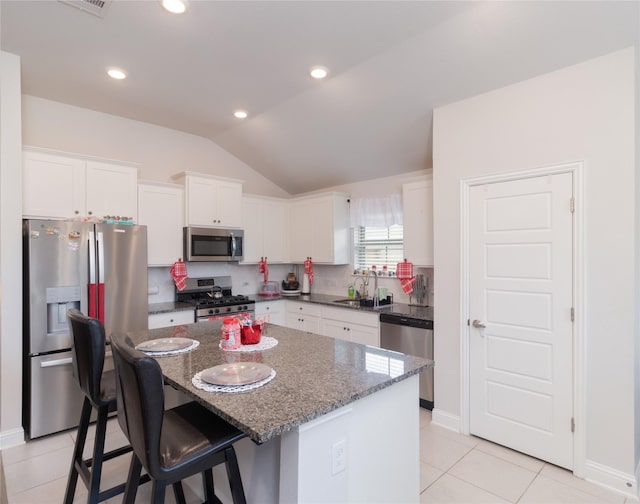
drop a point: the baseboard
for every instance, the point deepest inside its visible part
(13, 437)
(446, 420)
(608, 477)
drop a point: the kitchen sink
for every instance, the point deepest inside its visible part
(348, 302)
(365, 302)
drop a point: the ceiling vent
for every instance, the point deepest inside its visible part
(95, 7)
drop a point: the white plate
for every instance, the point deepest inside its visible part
(289, 292)
(164, 344)
(236, 373)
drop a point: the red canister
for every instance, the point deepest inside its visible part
(230, 334)
(251, 333)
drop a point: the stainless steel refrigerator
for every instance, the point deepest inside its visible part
(100, 269)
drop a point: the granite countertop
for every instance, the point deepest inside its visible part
(399, 309)
(315, 375)
(171, 306)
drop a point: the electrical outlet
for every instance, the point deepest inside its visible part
(338, 457)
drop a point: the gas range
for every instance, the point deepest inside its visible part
(213, 299)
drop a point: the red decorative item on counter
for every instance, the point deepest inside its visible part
(179, 274)
(404, 272)
(263, 268)
(251, 333)
(230, 338)
(308, 269)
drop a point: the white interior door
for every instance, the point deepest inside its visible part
(521, 334)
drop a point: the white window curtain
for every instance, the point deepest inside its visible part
(378, 211)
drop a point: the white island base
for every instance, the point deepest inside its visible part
(365, 452)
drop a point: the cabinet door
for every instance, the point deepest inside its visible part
(229, 204)
(417, 202)
(161, 208)
(276, 236)
(52, 186)
(335, 329)
(364, 335)
(302, 222)
(112, 190)
(271, 311)
(201, 201)
(254, 229)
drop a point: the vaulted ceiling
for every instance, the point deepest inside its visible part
(390, 62)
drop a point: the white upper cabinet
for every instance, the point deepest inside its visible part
(265, 222)
(319, 227)
(417, 203)
(112, 190)
(212, 201)
(161, 209)
(58, 186)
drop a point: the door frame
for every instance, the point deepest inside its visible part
(579, 356)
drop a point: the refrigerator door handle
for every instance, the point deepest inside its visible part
(92, 309)
(56, 362)
(100, 249)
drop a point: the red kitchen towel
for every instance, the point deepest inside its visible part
(179, 274)
(308, 269)
(404, 272)
(263, 268)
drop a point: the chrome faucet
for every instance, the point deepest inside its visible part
(363, 293)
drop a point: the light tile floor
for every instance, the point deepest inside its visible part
(453, 469)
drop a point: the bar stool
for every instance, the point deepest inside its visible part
(174, 444)
(99, 388)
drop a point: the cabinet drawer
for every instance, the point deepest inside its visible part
(169, 319)
(350, 316)
(295, 307)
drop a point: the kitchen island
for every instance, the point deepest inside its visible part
(338, 423)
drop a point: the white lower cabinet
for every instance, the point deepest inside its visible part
(351, 325)
(303, 316)
(172, 397)
(169, 319)
(271, 311)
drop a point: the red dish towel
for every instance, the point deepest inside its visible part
(308, 269)
(263, 268)
(179, 274)
(404, 272)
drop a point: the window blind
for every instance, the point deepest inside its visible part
(378, 247)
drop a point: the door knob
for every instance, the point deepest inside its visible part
(478, 325)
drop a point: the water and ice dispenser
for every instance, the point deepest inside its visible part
(59, 301)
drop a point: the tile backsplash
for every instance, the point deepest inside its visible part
(247, 279)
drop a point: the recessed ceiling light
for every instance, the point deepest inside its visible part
(175, 6)
(319, 72)
(240, 114)
(116, 73)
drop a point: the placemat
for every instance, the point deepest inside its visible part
(231, 389)
(193, 346)
(266, 342)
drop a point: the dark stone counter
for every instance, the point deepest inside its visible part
(315, 375)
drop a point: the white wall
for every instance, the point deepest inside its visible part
(160, 152)
(581, 113)
(11, 253)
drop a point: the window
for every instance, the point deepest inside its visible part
(377, 247)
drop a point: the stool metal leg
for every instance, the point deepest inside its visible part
(97, 459)
(76, 460)
(235, 480)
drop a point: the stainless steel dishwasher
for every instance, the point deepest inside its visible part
(411, 336)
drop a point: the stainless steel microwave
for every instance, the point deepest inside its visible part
(213, 244)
